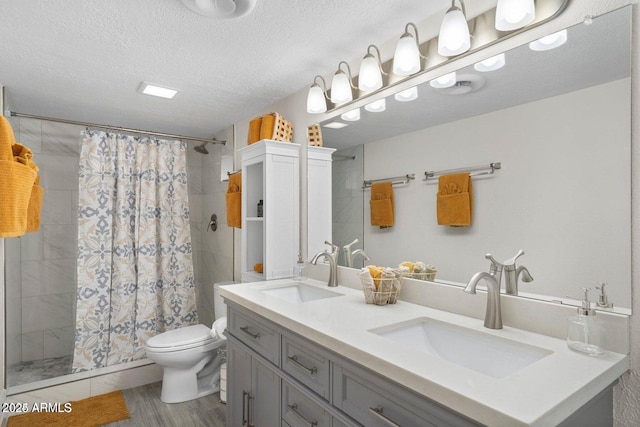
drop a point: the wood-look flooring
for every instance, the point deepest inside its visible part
(147, 410)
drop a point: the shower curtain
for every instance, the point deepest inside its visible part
(135, 269)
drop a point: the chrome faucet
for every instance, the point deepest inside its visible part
(493, 316)
(349, 256)
(333, 263)
(512, 273)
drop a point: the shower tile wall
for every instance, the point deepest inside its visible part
(212, 251)
(41, 269)
(41, 265)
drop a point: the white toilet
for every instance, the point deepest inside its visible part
(191, 356)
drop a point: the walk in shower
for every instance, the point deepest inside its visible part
(40, 267)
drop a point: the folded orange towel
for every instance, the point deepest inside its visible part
(254, 130)
(258, 268)
(266, 128)
(35, 207)
(382, 204)
(455, 200)
(234, 200)
(16, 184)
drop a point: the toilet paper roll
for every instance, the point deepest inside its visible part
(218, 328)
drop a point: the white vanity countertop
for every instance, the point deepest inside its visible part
(541, 394)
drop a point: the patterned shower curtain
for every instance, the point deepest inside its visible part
(135, 269)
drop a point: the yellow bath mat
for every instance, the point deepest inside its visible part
(91, 412)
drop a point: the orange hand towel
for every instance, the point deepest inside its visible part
(455, 200)
(6, 139)
(234, 201)
(382, 204)
(258, 268)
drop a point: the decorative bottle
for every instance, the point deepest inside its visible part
(585, 333)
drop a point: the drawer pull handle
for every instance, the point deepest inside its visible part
(310, 371)
(294, 409)
(379, 412)
(245, 329)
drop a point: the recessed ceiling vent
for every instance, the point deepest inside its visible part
(221, 9)
(465, 84)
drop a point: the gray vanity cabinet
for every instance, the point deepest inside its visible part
(253, 397)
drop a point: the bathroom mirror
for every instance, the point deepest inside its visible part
(559, 123)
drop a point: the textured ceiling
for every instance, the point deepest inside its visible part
(84, 59)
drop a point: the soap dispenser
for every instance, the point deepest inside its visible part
(298, 268)
(585, 333)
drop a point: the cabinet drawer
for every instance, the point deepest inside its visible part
(256, 333)
(376, 402)
(307, 363)
(300, 411)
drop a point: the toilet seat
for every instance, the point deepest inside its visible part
(181, 339)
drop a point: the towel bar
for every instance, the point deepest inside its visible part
(395, 180)
(473, 170)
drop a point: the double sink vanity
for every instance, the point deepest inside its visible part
(303, 354)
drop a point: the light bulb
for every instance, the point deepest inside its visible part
(376, 106)
(445, 81)
(406, 60)
(351, 116)
(490, 64)
(407, 94)
(315, 100)
(369, 78)
(514, 14)
(454, 37)
(340, 88)
(549, 42)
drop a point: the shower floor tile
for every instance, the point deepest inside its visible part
(38, 370)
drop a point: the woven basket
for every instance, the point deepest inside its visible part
(314, 135)
(16, 183)
(430, 275)
(381, 291)
(282, 129)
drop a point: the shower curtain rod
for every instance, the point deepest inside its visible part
(118, 128)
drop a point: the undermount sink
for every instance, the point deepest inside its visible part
(298, 292)
(482, 352)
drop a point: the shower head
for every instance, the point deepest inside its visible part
(201, 148)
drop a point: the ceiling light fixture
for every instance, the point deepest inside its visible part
(221, 9)
(454, 37)
(335, 125)
(341, 85)
(549, 42)
(406, 60)
(407, 94)
(445, 81)
(351, 116)
(490, 64)
(376, 106)
(371, 72)
(316, 98)
(156, 90)
(514, 14)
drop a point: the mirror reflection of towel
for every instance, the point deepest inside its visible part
(455, 200)
(234, 200)
(382, 204)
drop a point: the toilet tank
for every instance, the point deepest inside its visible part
(219, 307)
